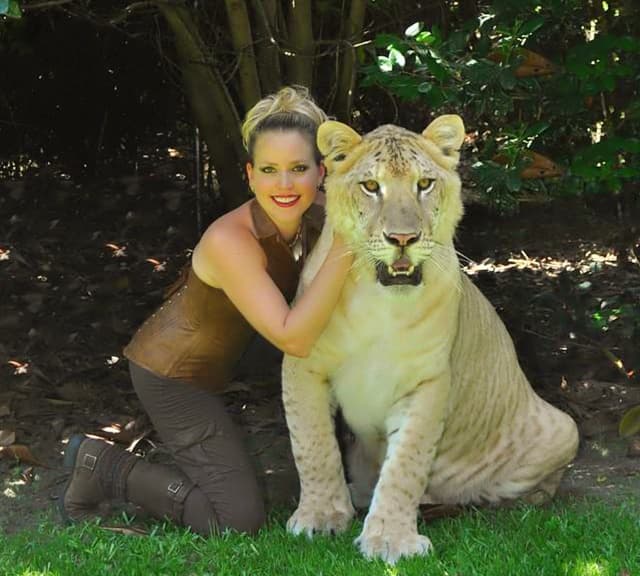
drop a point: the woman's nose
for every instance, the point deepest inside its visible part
(285, 179)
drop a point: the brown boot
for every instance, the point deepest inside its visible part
(102, 471)
(162, 491)
(99, 471)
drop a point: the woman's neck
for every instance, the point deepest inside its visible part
(289, 232)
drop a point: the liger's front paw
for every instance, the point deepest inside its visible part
(392, 544)
(312, 520)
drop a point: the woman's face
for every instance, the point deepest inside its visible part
(284, 176)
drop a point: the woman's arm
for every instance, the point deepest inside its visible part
(240, 270)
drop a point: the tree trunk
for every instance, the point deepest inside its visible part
(212, 107)
(267, 52)
(300, 65)
(348, 60)
(243, 45)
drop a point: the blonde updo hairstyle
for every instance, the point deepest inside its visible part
(291, 108)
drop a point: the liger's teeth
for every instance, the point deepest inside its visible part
(393, 272)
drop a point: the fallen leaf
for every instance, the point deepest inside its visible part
(4, 410)
(126, 530)
(7, 437)
(132, 431)
(20, 453)
(28, 475)
(630, 423)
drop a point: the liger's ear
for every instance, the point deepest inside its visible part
(335, 140)
(447, 133)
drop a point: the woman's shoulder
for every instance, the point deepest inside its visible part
(230, 235)
(235, 222)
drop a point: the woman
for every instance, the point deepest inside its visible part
(244, 271)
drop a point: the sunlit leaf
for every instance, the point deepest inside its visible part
(630, 423)
(413, 30)
(396, 57)
(10, 8)
(425, 37)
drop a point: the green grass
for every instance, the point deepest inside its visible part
(577, 539)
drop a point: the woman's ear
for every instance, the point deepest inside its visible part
(323, 173)
(249, 169)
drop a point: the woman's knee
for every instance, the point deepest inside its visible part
(246, 514)
(198, 514)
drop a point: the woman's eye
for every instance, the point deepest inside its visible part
(370, 187)
(425, 185)
(300, 168)
(267, 169)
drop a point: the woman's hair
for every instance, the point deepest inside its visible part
(291, 108)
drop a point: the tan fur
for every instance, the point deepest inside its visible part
(426, 376)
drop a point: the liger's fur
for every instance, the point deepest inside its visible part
(426, 376)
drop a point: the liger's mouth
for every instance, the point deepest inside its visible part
(400, 272)
(286, 201)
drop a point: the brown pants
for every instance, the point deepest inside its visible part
(207, 446)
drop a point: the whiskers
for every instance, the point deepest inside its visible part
(465, 260)
(362, 257)
(440, 256)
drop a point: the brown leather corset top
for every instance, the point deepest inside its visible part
(197, 335)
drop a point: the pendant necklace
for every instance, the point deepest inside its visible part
(295, 244)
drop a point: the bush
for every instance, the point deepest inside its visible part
(549, 92)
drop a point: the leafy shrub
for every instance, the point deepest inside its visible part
(578, 104)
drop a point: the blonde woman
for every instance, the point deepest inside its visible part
(244, 273)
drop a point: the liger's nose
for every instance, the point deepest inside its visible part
(402, 240)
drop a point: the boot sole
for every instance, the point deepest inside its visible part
(69, 462)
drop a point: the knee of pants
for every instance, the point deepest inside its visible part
(198, 514)
(247, 515)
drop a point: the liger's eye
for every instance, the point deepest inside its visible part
(425, 185)
(370, 187)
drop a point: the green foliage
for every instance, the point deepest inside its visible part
(625, 314)
(579, 105)
(10, 8)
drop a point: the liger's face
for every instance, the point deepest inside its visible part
(284, 175)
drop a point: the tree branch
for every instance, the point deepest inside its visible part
(267, 49)
(348, 64)
(243, 44)
(300, 63)
(210, 103)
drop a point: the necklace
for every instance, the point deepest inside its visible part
(295, 244)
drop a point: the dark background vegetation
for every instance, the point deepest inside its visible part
(119, 142)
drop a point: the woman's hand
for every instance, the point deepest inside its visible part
(231, 254)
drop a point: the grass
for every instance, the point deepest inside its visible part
(589, 538)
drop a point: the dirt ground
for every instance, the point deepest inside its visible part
(82, 266)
